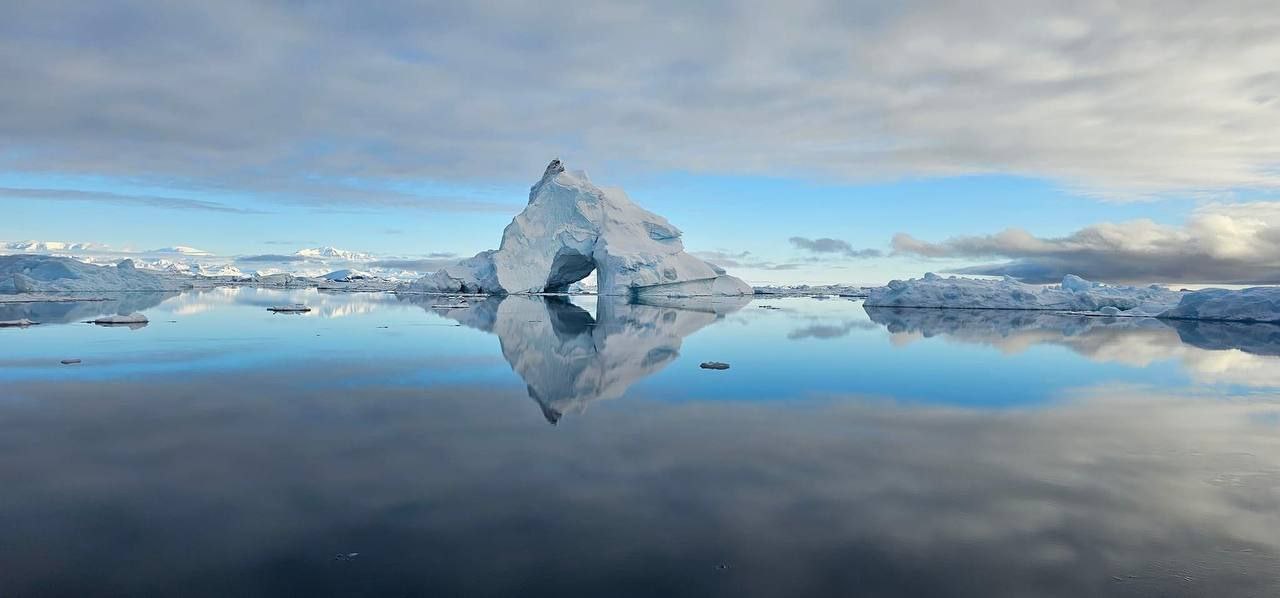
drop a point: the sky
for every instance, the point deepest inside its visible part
(811, 141)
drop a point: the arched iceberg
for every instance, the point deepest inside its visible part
(572, 227)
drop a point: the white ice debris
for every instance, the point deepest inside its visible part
(1257, 304)
(43, 273)
(572, 227)
(1074, 294)
(129, 319)
(23, 322)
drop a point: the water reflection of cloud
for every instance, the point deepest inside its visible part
(1211, 352)
(257, 482)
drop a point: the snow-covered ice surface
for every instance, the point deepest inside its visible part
(572, 227)
(1074, 294)
(43, 274)
(1257, 304)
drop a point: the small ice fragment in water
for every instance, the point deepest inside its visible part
(714, 365)
(70, 361)
(1109, 310)
(350, 556)
(295, 308)
(129, 319)
(23, 323)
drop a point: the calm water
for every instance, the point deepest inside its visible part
(530, 447)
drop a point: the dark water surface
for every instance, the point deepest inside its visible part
(535, 447)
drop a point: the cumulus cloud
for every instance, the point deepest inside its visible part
(828, 245)
(1127, 99)
(1228, 244)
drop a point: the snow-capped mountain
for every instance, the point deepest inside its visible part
(182, 250)
(333, 253)
(46, 246)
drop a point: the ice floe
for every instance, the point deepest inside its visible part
(1074, 294)
(1257, 304)
(44, 273)
(121, 319)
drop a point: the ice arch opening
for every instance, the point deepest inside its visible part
(567, 267)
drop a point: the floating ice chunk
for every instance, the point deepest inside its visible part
(129, 319)
(69, 361)
(23, 322)
(1257, 304)
(1074, 294)
(295, 308)
(571, 228)
(714, 365)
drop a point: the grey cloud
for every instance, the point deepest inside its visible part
(828, 245)
(744, 259)
(1128, 100)
(154, 201)
(1227, 244)
(417, 265)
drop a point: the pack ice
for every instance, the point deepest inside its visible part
(572, 227)
(1074, 294)
(46, 273)
(1257, 304)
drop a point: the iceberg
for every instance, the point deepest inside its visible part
(1074, 294)
(1257, 304)
(571, 228)
(45, 273)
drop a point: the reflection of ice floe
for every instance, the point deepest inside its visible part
(1211, 352)
(323, 304)
(569, 359)
(66, 312)
(1259, 339)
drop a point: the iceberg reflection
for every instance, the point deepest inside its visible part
(1216, 352)
(68, 312)
(569, 359)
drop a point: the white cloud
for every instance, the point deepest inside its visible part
(1123, 99)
